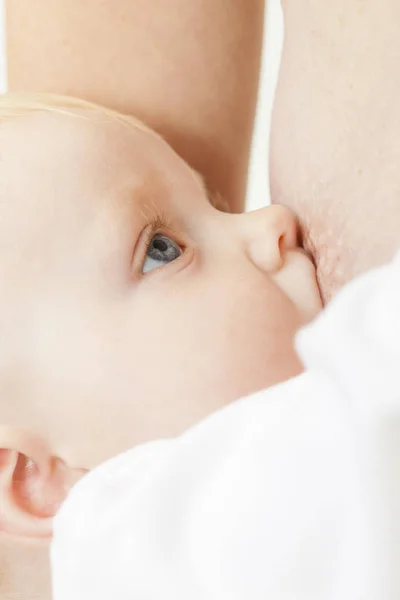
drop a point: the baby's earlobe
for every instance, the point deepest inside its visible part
(33, 483)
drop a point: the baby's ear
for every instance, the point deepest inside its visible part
(33, 483)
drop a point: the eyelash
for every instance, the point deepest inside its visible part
(158, 222)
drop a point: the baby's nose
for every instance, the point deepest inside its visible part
(269, 233)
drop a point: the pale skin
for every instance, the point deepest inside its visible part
(334, 156)
(335, 144)
(188, 69)
(104, 346)
(197, 86)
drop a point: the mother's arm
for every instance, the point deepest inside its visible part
(189, 68)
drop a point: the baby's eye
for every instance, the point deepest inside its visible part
(161, 250)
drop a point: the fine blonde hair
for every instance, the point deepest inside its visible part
(14, 105)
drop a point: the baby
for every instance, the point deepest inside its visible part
(131, 307)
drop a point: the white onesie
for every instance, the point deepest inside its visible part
(292, 493)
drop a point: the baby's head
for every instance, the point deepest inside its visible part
(130, 307)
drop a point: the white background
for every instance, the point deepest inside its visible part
(258, 190)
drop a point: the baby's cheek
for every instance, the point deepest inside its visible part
(251, 356)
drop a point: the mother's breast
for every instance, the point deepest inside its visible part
(335, 140)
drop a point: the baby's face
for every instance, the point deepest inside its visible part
(130, 307)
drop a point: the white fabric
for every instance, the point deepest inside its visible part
(290, 494)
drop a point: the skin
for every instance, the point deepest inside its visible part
(149, 354)
(232, 293)
(335, 149)
(197, 85)
(335, 146)
(335, 142)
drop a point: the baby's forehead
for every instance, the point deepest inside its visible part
(52, 143)
(54, 161)
(59, 174)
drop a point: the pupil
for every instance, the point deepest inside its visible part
(160, 245)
